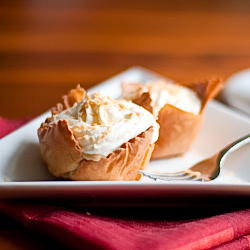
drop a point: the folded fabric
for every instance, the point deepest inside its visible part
(83, 230)
(7, 126)
(134, 229)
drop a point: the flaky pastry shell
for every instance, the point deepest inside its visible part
(178, 128)
(63, 154)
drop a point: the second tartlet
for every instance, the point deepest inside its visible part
(179, 110)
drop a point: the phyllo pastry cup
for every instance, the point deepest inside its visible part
(179, 110)
(92, 137)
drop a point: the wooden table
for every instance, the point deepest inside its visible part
(48, 47)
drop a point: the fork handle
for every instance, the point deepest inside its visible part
(232, 147)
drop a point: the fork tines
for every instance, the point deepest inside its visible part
(184, 175)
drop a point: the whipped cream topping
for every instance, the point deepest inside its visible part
(102, 125)
(163, 92)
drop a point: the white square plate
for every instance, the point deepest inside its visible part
(23, 175)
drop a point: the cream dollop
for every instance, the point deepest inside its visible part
(102, 125)
(164, 92)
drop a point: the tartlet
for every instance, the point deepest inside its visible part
(178, 108)
(93, 137)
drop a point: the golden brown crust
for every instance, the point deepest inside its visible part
(144, 100)
(63, 155)
(74, 96)
(59, 149)
(121, 165)
(178, 129)
(207, 89)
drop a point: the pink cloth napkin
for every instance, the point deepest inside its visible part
(131, 228)
(7, 126)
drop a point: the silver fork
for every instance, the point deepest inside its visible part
(206, 170)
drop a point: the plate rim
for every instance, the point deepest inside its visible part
(11, 187)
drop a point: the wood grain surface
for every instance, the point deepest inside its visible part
(48, 47)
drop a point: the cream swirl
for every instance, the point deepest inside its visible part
(165, 92)
(102, 125)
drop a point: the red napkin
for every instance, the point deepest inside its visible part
(7, 126)
(132, 228)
